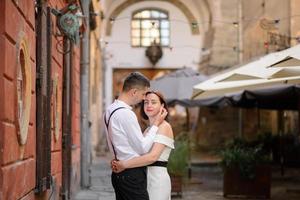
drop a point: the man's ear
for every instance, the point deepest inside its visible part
(133, 91)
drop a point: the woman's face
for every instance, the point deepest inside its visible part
(152, 105)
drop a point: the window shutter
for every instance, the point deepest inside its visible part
(43, 97)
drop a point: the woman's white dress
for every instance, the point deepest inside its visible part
(158, 179)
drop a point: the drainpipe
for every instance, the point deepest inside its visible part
(85, 150)
(67, 112)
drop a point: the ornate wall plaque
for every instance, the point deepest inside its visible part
(23, 91)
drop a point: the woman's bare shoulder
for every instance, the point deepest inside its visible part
(165, 129)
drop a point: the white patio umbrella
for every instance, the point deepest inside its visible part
(274, 69)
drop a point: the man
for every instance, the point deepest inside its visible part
(126, 140)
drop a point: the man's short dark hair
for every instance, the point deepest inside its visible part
(135, 80)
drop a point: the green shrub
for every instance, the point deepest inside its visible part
(178, 160)
(245, 156)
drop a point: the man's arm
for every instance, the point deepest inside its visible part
(139, 161)
(148, 158)
(141, 144)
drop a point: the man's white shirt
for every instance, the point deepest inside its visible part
(125, 133)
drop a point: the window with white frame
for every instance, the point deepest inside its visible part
(150, 25)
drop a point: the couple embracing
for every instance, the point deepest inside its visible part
(139, 169)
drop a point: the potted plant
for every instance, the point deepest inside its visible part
(177, 164)
(246, 170)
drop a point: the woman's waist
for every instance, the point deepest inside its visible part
(159, 163)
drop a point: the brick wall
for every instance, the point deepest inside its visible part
(56, 145)
(18, 161)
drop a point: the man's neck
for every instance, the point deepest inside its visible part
(124, 98)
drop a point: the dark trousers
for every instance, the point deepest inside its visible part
(130, 184)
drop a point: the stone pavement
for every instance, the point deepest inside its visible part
(206, 184)
(101, 188)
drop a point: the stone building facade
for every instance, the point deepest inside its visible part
(250, 28)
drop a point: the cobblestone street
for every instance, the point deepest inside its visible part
(206, 184)
(101, 186)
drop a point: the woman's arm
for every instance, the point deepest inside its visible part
(145, 159)
(140, 161)
(145, 131)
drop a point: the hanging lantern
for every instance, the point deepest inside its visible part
(154, 52)
(68, 22)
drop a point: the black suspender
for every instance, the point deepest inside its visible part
(107, 124)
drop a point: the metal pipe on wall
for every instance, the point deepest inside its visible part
(85, 150)
(67, 120)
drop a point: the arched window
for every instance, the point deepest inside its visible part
(149, 25)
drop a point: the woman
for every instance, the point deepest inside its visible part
(158, 179)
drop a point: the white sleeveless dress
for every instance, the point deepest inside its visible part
(158, 179)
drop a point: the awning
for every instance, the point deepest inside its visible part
(274, 77)
(278, 97)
